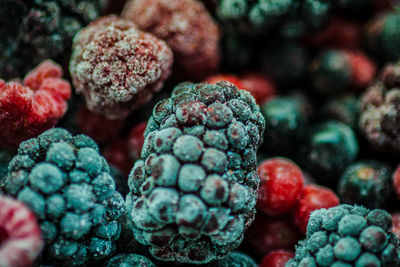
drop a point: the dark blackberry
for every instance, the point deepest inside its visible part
(193, 191)
(35, 30)
(348, 235)
(366, 183)
(67, 184)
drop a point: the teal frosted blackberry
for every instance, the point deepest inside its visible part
(234, 259)
(286, 120)
(126, 260)
(289, 18)
(383, 36)
(331, 72)
(348, 235)
(193, 191)
(34, 30)
(65, 181)
(366, 183)
(343, 108)
(284, 61)
(329, 148)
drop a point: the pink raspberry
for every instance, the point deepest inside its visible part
(117, 67)
(20, 236)
(31, 107)
(188, 29)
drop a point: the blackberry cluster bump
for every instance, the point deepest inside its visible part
(193, 192)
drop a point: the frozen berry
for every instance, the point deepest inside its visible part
(281, 186)
(193, 191)
(33, 106)
(125, 260)
(396, 224)
(276, 258)
(234, 259)
(118, 154)
(120, 73)
(20, 235)
(314, 197)
(344, 108)
(260, 86)
(366, 183)
(271, 233)
(187, 28)
(67, 184)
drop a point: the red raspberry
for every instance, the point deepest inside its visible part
(117, 154)
(117, 67)
(281, 186)
(396, 224)
(136, 140)
(37, 104)
(188, 29)
(363, 69)
(314, 197)
(223, 77)
(396, 181)
(271, 233)
(20, 237)
(260, 86)
(277, 258)
(98, 127)
(339, 33)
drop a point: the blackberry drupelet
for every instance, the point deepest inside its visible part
(34, 30)
(348, 235)
(366, 183)
(67, 184)
(194, 189)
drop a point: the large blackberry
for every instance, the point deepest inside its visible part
(194, 189)
(348, 235)
(33, 30)
(67, 184)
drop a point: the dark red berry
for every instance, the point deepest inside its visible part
(276, 258)
(281, 186)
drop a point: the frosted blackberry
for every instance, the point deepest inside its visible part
(67, 184)
(192, 193)
(348, 235)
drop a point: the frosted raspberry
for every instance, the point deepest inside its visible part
(20, 240)
(187, 28)
(118, 67)
(36, 104)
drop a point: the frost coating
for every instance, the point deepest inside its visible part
(118, 67)
(193, 190)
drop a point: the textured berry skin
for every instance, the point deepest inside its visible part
(36, 104)
(396, 224)
(234, 259)
(261, 87)
(345, 108)
(380, 111)
(117, 75)
(188, 29)
(383, 36)
(281, 186)
(267, 234)
(351, 235)
(276, 258)
(284, 61)
(314, 197)
(330, 147)
(193, 191)
(334, 71)
(33, 31)
(20, 240)
(290, 18)
(125, 260)
(98, 127)
(286, 121)
(67, 184)
(366, 183)
(5, 158)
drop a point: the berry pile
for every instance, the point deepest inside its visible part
(226, 133)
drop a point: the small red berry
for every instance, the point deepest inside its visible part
(281, 186)
(314, 197)
(276, 258)
(117, 154)
(136, 140)
(396, 181)
(272, 233)
(260, 86)
(20, 236)
(223, 77)
(396, 224)
(363, 69)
